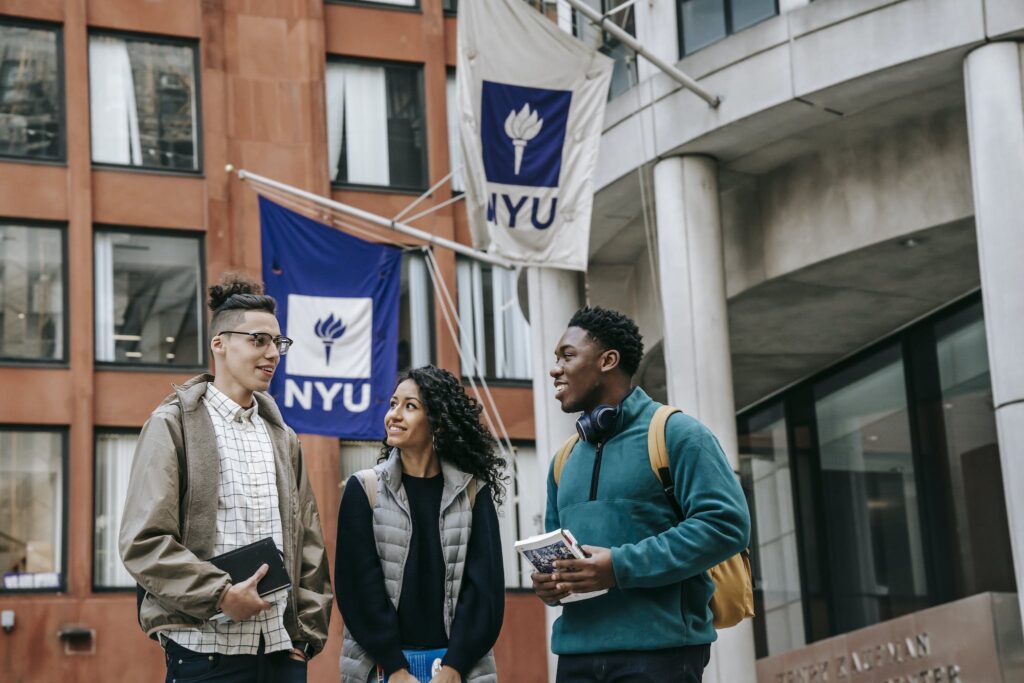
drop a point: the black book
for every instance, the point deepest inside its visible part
(242, 563)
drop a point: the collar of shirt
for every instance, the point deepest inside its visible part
(228, 409)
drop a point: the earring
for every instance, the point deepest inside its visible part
(433, 442)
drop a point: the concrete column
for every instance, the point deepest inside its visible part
(554, 295)
(995, 126)
(697, 362)
(657, 30)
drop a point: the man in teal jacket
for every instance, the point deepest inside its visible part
(654, 624)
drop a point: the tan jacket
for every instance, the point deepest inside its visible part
(169, 523)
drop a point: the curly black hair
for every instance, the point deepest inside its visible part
(612, 330)
(235, 295)
(459, 436)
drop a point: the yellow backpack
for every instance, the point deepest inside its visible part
(733, 599)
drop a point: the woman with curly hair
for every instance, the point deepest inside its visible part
(418, 570)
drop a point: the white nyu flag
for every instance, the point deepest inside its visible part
(531, 104)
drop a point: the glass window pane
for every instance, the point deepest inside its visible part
(975, 473)
(493, 326)
(407, 133)
(31, 292)
(416, 314)
(702, 22)
(767, 479)
(31, 509)
(454, 148)
(142, 103)
(746, 13)
(148, 305)
(31, 124)
(875, 551)
(113, 464)
(375, 125)
(624, 72)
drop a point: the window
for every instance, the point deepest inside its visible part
(875, 548)
(897, 496)
(149, 308)
(972, 453)
(32, 494)
(451, 6)
(703, 22)
(624, 72)
(376, 132)
(493, 327)
(765, 473)
(32, 322)
(416, 314)
(454, 148)
(31, 120)
(396, 3)
(143, 103)
(113, 463)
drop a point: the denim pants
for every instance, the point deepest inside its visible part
(677, 664)
(186, 666)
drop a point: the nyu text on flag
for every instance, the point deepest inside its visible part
(337, 298)
(531, 103)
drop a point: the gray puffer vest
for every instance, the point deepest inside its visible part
(392, 528)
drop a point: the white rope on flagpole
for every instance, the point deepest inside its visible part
(416, 202)
(435, 207)
(488, 404)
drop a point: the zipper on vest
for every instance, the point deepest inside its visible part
(597, 471)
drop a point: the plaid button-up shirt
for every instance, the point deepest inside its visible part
(247, 511)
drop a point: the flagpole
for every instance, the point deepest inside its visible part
(374, 219)
(634, 45)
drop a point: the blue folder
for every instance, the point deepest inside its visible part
(421, 664)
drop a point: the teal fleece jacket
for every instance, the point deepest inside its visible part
(662, 592)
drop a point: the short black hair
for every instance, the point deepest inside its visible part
(612, 330)
(230, 300)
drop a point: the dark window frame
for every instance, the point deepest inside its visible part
(204, 323)
(416, 8)
(64, 360)
(729, 29)
(160, 39)
(97, 432)
(64, 432)
(917, 351)
(58, 29)
(419, 68)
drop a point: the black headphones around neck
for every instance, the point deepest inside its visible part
(597, 425)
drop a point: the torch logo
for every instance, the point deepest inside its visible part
(329, 330)
(516, 119)
(522, 127)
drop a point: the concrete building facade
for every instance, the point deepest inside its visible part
(807, 262)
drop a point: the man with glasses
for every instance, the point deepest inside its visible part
(216, 469)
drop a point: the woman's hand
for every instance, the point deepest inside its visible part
(447, 675)
(402, 676)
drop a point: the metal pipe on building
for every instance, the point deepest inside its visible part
(374, 219)
(633, 44)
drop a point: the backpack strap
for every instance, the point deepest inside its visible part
(368, 478)
(657, 452)
(563, 455)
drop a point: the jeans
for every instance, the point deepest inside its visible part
(186, 666)
(677, 664)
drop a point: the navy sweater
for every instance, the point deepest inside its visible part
(418, 622)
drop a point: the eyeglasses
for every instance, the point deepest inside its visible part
(261, 339)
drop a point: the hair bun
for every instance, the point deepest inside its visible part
(231, 284)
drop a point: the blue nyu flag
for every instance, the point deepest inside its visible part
(337, 297)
